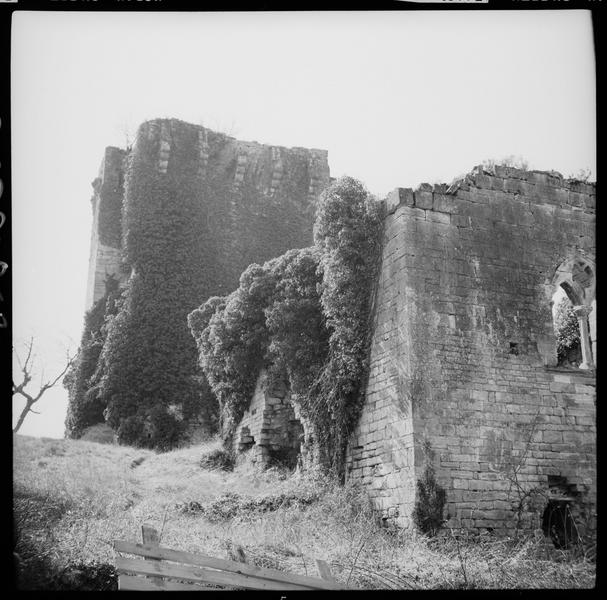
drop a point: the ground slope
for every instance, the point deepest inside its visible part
(73, 497)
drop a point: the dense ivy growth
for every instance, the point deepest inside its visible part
(149, 359)
(347, 232)
(272, 320)
(305, 315)
(298, 331)
(85, 408)
(232, 337)
(429, 502)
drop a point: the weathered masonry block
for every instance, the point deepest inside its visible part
(270, 429)
(463, 376)
(106, 234)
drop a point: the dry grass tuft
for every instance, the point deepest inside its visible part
(73, 498)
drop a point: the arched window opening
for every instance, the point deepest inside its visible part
(567, 330)
(574, 313)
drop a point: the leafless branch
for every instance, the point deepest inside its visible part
(26, 369)
(25, 366)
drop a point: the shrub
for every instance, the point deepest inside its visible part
(85, 408)
(304, 315)
(233, 342)
(230, 505)
(583, 175)
(429, 503)
(218, 459)
(34, 509)
(512, 161)
(87, 577)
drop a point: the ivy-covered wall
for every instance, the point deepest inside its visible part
(304, 316)
(85, 407)
(198, 208)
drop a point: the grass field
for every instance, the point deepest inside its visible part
(73, 498)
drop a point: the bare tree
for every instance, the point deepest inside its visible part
(26, 369)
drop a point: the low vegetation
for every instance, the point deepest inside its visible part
(219, 458)
(73, 497)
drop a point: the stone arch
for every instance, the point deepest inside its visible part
(576, 278)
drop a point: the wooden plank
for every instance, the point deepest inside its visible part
(201, 574)
(150, 537)
(325, 571)
(132, 582)
(225, 565)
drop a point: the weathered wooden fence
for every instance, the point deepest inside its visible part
(163, 569)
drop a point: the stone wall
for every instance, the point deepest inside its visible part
(105, 250)
(462, 367)
(182, 218)
(259, 199)
(270, 428)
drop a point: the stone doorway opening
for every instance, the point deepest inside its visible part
(286, 447)
(558, 524)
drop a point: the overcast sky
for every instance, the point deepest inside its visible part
(396, 98)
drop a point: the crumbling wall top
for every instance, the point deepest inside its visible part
(151, 126)
(539, 187)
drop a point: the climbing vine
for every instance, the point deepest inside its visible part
(149, 362)
(429, 503)
(84, 407)
(297, 326)
(430, 498)
(305, 314)
(347, 232)
(232, 339)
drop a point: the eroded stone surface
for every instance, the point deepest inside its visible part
(270, 428)
(105, 249)
(462, 350)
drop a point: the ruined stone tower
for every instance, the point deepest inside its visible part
(265, 199)
(176, 219)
